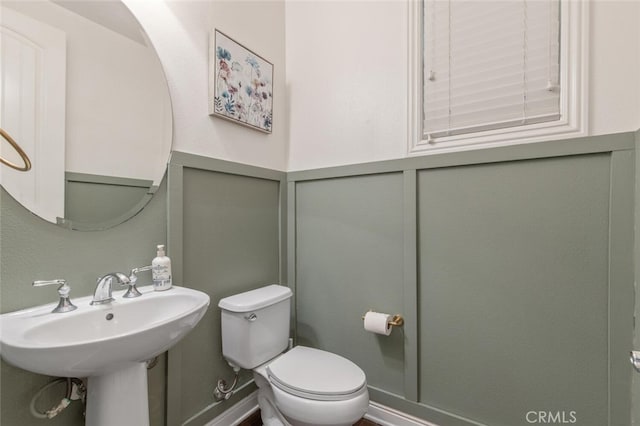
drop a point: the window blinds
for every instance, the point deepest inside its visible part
(489, 64)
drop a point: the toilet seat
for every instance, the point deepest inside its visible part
(311, 412)
(317, 375)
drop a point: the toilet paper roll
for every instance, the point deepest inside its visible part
(376, 322)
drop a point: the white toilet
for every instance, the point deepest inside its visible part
(301, 387)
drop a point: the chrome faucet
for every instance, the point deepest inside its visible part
(103, 287)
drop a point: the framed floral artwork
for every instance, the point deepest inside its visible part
(240, 84)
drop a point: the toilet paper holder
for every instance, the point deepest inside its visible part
(396, 321)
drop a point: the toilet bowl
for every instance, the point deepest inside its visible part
(314, 387)
(301, 387)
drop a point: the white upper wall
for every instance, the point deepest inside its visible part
(180, 31)
(614, 66)
(344, 99)
(347, 78)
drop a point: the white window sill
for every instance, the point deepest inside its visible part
(540, 132)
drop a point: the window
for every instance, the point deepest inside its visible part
(497, 72)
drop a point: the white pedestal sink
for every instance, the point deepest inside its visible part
(107, 343)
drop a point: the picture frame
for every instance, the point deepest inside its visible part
(240, 84)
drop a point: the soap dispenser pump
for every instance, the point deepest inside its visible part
(161, 270)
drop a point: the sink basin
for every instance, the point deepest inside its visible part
(96, 339)
(107, 343)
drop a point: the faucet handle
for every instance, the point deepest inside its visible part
(60, 281)
(132, 291)
(64, 305)
(133, 277)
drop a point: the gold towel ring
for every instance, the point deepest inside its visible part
(23, 155)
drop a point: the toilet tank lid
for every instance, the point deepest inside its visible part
(255, 299)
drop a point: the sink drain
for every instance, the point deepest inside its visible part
(109, 317)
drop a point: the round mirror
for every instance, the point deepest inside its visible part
(84, 94)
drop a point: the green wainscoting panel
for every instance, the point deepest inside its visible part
(514, 288)
(224, 227)
(517, 278)
(349, 259)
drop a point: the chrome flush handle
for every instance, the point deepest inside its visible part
(251, 317)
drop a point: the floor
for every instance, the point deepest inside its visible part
(365, 422)
(255, 420)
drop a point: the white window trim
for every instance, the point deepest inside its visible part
(574, 105)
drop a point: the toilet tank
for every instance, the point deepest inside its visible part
(255, 325)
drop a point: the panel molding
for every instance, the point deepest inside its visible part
(239, 412)
(557, 148)
(621, 148)
(621, 285)
(291, 254)
(237, 403)
(194, 161)
(410, 285)
(175, 230)
(437, 416)
(387, 416)
(175, 249)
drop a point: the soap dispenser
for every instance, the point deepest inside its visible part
(161, 270)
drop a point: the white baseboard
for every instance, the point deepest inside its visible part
(378, 413)
(239, 412)
(387, 416)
